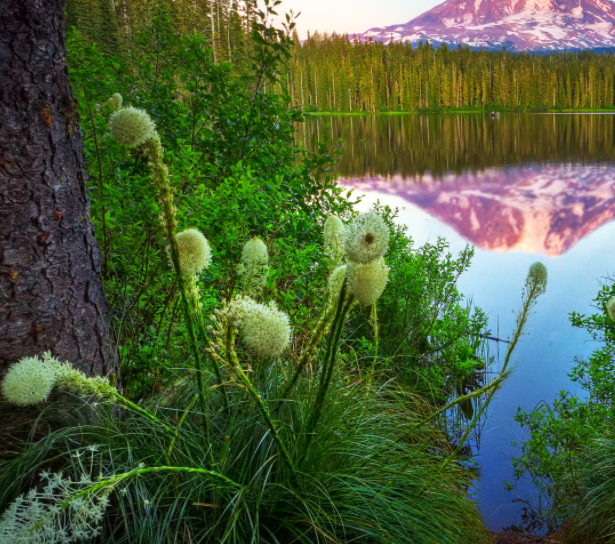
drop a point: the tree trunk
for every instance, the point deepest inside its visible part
(51, 296)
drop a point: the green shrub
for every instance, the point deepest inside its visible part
(428, 339)
(369, 477)
(558, 454)
(236, 173)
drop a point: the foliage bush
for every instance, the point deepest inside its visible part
(429, 339)
(235, 171)
(568, 437)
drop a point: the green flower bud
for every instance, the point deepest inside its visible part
(254, 266)
(367, 281)
(610, 308)
(537, 277)
(115, 102)
(194, 252)
(334, 234)
(336, 280)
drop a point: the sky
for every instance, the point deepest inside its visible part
(349, 16)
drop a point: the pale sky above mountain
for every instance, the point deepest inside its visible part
(349, 16)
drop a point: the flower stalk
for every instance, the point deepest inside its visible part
(229, 335)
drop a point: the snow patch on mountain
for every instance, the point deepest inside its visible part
(519, 25)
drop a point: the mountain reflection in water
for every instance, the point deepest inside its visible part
(518, 188)
(524, 183)
(544, 209)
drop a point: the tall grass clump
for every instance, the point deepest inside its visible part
(258, 439)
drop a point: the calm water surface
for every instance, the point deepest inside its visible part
(520, 188)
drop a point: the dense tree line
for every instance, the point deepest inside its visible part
(114, 24)
(332, 73)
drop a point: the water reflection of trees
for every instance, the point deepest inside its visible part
(411, 145)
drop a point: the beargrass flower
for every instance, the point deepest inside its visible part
(31, 380)
(334, 234)
(537, 277)
(367, 281)
(262, 327)
(255, 251)
(610, 308)
(194, 252)
(367, 239)
(71, 379)
(254, 266)
(115, 102)
(131, 127)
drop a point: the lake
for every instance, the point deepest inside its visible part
(519, 188)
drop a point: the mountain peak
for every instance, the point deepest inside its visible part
(518, 25)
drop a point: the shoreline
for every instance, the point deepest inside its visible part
(456, 112)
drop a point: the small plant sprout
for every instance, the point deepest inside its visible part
(367, 239)
(131, 127)
(254, 266)
(115, 102)
(610, 308)
(367, 281)
(30, 381)
(194, 252)
(262, 327)
(335, 235)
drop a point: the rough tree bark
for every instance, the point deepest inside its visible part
(51, 296)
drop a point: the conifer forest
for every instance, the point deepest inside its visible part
(336, 73)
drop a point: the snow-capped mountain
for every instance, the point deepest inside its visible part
(518, 25)
(534, 209)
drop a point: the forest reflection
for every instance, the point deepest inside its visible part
(415, 144)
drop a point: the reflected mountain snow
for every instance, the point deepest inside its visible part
(544, 209)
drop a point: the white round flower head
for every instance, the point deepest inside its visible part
(115, 102)
(131, 127)
(367, 281)
(610, 308)
(367, 239)
(334, 234)
(194, 251)
(262, 327)
(30, 380)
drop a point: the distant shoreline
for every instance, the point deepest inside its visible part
(452, 112)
